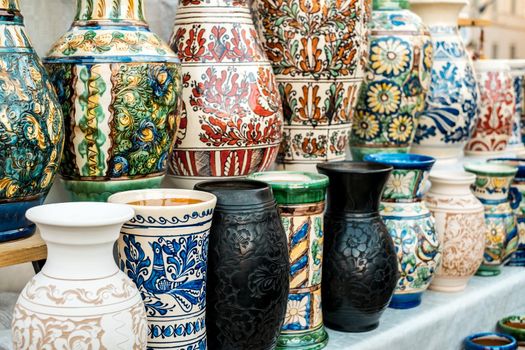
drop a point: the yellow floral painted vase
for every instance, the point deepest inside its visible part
(31, 126)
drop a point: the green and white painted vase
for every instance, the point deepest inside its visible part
(411, 225)
(396, 81)
(119, 86)
(492, 188)
(31, 126)
(301, 201)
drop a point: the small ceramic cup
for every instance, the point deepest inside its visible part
(490, 341)
(515, 327)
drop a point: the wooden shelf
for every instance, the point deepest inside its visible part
(23, 250)
(474, 22)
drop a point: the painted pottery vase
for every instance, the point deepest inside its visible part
(490, 341)
(317, 50)
(460, 225)
(80, 299)
(231, 122)
(119, 86)
(397, 79)
(360, 265)
(492, 188)
(163, 249)
(498, 103)
(248, 268)
(513, 326)
(301, 201)
(31, 126)
(410, 224)
(517, 71)
(453, 99)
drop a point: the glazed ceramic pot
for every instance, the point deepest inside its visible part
(301, 201)
(452, 102)
(513, 326)
(231, 109)
(360, 265)
(31, 127)
(460, 225)
(410, 224)
(317, 50)
(248, 270)
(80, 299)
(492, 188)
(490, 341)
(397, 79)
(163, 249)
(517, 71)
(498, 103)
(118, 84)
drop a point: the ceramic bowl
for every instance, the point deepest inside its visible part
(513, 326)
(490, 341)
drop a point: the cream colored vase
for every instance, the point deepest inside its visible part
(80, 299)
(460, 225)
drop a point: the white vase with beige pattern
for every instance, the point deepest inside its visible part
(460, 225)
(80, 299)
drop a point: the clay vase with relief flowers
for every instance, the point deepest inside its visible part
(460, 225)
(231, 122)
(492, 188)
(31, 126)
(317, 50)
(119, 86)
(80, 299)
(410, 224)
(496, 114)
(452, 101)
(396, 82)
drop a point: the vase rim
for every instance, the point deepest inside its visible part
(353, 167)
(513, 162)
(457, 177)
(80, 214)
(439, 2)
(402, 160)
(492, 65)
(291, 179)
(516, 331)
(238, 192)
(126, 197)
(470, 345)
(492, 169)
(515, 64)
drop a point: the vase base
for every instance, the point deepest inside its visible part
(405, 301)
(359, 153)
(488, 271)
(13, 221)
(449, 285)
(303, 340)
(518, 258)
(351, 328)
(188, 182)
(23, 232)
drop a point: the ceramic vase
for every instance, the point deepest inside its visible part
(517, 71)
(31, 127)
(490, 341)
(301, 201)
(80, 299)
(492, 188)
(317, 50)
(248, 270)
(163, 249)
(231, 110)
(453, 99)
(397, 79)
(118, 84)
(460, 225)
(360, 265)
(513, 326)
(410, 224)
(498, 103)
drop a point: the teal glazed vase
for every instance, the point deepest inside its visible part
(119, 86)
(396, 82)
(410, 224)
(301, 202)
(492, 188)
(31, 126)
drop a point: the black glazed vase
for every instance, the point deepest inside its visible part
(248, 264)
(360, 264)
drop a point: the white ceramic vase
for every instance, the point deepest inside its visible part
(80, 299)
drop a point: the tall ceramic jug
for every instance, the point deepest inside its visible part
(118, 84)
(31, 126)
(231, 111)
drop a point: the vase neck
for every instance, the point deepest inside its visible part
(439, 14)
(10, 5)
(492, 189)
(13, 36)
(120, 12)
(384, 5)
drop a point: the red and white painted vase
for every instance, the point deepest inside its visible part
(231, 123)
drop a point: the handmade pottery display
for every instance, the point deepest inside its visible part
(317, 50)
(410, 224)
(397, 79)
(513, 326)
(498, 103)
(360, 265)
(80, 299)
(492, 188)
(163, 249)
(460, 225)
(118, 84)
(517, 71)
(248, 267)
(231, 122)
(301, 202)
(31, 126)
(490, 341)
(453, 99)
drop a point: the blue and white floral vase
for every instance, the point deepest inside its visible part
(410, 224)
(517, 71)
(452, 102)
